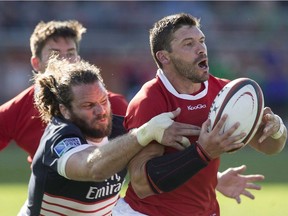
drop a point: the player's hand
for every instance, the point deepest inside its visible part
(164, 130)
(215, 143)
(176, 135)
(154, 129)
(232, 184)
(270, 124)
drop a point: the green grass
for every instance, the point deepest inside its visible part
(12, 198)
(271, 200)
(14, 177)
(273, 167)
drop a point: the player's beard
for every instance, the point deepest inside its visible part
(93, 132)
(189, 70)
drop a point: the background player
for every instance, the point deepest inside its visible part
(19, 119)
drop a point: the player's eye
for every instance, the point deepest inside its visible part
(189, 43)
(71, 55)
(87, 106)
(54, 53)
(104, 102)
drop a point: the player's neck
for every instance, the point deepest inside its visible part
(94, 141)
(183, 85)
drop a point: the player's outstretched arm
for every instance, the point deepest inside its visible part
(232, 183)
(99, 163)
(271, 135)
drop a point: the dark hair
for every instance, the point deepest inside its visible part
(54, 87)
(55, 29)
(161, 34)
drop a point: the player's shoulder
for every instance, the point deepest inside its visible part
(151, 88)
(115, 96)
(118, 103)
(61, 126)
(24, 95)
(28, 92)
(150, 94)
(24, 98)
(213, 78)
(217, 81)
(149, 101)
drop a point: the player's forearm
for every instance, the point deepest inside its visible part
(113, 157)
(170, 171)
(137, 169)
(98, 164)
(270, 145)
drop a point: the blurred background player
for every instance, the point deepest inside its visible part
(19, 119)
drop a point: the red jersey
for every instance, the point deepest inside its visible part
(197, 196)
(20, 121)
(118, 103)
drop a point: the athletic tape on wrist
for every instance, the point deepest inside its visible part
(154, 129)
(142, 135)
(280, 132)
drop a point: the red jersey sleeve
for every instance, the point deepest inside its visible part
(20, 121)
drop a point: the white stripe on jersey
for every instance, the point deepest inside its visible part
(173, 91)
(52, 205)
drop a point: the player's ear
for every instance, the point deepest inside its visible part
(36, 63)
(163, 56)
(64, 111)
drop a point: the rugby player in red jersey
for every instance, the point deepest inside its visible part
(19, 119)
(163, 180)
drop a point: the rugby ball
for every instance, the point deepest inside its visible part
(242, 100)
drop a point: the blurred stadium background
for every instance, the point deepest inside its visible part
(244, 39)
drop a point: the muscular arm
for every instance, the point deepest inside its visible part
(98, 164)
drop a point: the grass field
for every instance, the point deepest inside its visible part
(270, 201)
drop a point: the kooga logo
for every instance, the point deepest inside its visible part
(199, 106)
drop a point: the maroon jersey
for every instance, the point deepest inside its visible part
(197, 196)
(20, 121)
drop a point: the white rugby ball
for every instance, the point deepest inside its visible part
(242, 100)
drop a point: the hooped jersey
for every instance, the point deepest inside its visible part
(197, 196)
(53, 194)
(20, 120)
